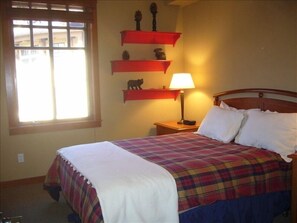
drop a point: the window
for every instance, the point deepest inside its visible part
(50, 50)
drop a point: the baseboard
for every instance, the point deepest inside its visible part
(21, 182)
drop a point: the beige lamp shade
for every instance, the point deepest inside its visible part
(181, 81)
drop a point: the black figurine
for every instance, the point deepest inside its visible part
(125, 55)
(154, 10)
(160, 55)
(138, 17)
(134, 84)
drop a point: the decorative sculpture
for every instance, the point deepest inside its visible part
(138, 17)
(160, 55)
(154, 10)
(135, 84)
(125, 55)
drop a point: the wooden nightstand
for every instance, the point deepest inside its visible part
(172, 127)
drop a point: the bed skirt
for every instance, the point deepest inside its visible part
(267, 206)
(255, 209)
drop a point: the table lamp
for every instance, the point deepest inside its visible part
(182, 81)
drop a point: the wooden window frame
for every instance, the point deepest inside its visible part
(89, 16)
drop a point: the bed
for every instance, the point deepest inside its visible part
(217, 180)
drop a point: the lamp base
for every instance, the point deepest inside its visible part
(186, 122)
(180, 122)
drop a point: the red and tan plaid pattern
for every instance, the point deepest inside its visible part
(205, 171)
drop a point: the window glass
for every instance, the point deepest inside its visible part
(22, 37)
(60, 38)
(76, 24)
(34, 85)
(38, 5)
(59, 24)
(40, 37)
(77, 38)
(21, 22)
(20, 4)
(73, 8)
(70, 68)
(58, 7)
(40, 23)
(34, 81)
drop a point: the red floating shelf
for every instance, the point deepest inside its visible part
(150, 94)
(139, 65)
(128, 36)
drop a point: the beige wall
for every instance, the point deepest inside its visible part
(225, 45)
(239, 44)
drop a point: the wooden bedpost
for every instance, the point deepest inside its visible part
(216, 101)
(294, 188)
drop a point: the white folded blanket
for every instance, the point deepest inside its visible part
(130, 189)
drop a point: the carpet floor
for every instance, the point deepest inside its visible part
(36, 206)
(33, 204)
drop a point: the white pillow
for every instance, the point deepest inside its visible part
(225, 106)
(272, 131)
(221, 124)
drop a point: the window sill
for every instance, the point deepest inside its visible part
(50, 127)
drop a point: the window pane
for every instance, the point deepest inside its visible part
(76, 24)
(36, 5)
(40, 37)
(33, 74)
(60, 38)
(21, 22)
(59, 24)
(73, 8)
(40, 23)
(58, 7)
(77, 38)
(70, 84)
(18, 4)
(21, 37)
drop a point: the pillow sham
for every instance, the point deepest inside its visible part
(221, 124)
(276, 132)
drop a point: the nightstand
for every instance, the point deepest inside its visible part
(172, 127)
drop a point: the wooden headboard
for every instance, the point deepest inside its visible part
(263, 98)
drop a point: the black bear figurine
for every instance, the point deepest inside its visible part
(135, 84)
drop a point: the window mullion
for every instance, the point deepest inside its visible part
(68, 36)
(51, 52)
(31, 34)
(53, 83)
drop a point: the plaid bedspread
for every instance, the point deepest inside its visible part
(205, 171)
